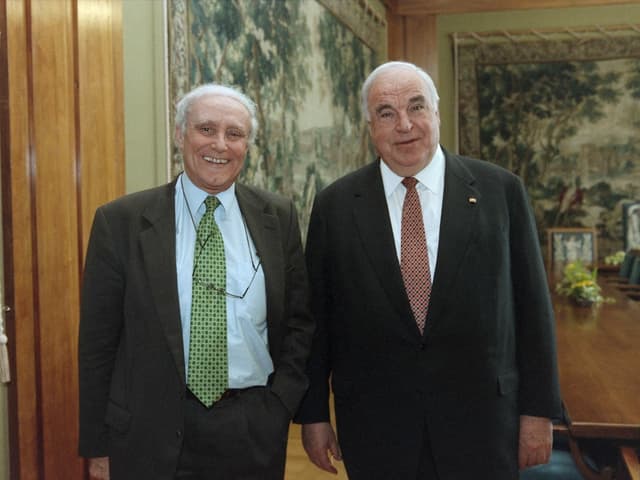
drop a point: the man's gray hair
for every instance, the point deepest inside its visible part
(431, 91)
(185, 103)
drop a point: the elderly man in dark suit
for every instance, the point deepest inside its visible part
(194, 329)
(434, 322)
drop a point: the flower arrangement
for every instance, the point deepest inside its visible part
(579, 284)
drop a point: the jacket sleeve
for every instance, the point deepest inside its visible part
(290, 380)
(539, 391)
(315, 404)
(101, 322)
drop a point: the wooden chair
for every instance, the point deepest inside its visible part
(629, 465)
(567, 461)
(634, 275)
(631, 285)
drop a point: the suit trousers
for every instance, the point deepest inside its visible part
(368, 468)
(241, 437)
(385, 435)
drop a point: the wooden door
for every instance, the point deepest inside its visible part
(61, 155)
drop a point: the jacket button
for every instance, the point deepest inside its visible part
(422, 346)
(179, 433)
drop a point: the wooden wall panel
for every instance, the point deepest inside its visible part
(101, 119)
(413, 39)
(66, 156)
(421, 43)
(54, 192)
(395, 37)
(19, 294)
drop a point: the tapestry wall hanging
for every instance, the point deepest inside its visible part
(303, 62)
(561, 109)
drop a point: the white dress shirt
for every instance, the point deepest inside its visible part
(430, 188)
(249, 361)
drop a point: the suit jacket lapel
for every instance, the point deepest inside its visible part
(456, 231)
(263, 227)
(158, 244)
(372, 222)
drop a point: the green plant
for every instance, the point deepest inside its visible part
(579, 283)
(615, 259)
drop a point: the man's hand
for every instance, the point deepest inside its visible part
(318, 439)
(536, 440)
(99, 468)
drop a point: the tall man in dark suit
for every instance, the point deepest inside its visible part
(434, 322)
(194, 329)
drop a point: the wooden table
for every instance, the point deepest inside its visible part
(599, 364)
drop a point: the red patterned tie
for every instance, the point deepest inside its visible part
(414, 259)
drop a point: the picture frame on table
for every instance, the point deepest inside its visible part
(566, 245)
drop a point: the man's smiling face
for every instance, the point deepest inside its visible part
(215, 141)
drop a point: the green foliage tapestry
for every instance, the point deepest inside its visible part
(563, 114)
(304, 69)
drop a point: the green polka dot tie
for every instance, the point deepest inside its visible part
(208, 364)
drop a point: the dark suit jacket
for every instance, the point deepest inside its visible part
(131, 363)
(488, 351)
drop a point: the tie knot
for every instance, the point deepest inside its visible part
(211, 203)
(409, 182)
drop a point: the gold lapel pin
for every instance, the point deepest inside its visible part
(473, 200)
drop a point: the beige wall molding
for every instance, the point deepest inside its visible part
(440, 7)
(552, 35)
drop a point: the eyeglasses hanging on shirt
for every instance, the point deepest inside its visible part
(255, 267)
(209, 284)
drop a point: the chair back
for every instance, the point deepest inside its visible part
(627, 262)
(634, 275)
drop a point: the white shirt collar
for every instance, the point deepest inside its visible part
(430, 177)
(196, 196)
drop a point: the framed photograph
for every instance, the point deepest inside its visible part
(631, 225)
(566, 245)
